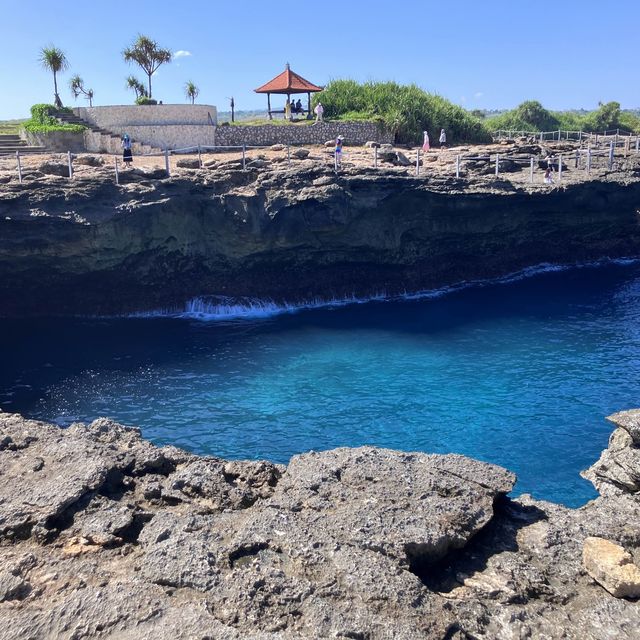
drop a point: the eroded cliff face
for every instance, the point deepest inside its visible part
(89, 246)
(103, 535)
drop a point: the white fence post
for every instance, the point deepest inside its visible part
(589, 160)
(70, 164)
(497, 164)
(418, 162)
(19, 167)
(637, 144)
(458, 166)
(288, 156)
(199, 157)
(577, 159)
(531, 169)
(375, 157)
(560, 168)
(166, 163)
(244, 157)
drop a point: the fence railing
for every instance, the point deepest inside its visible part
(619, 136)
(583, 158)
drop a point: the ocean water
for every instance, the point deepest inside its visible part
(520, 373)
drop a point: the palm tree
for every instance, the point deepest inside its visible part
(191, 91)
(54, 60)
(76, 84)
(148, 55)
(137, 86)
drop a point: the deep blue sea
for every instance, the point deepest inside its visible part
(519, 373)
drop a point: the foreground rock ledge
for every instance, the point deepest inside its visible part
(103, 535)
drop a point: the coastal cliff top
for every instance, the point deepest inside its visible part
(92, 195)
(104, 535)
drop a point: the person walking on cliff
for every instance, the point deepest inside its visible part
(127, 156)
(425, 145)
(319, 111)
(443, 138)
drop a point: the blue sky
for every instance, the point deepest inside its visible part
(491, 54)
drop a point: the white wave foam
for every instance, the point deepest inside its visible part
(219, 308)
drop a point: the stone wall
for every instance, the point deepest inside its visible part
(57, 140)
(355, 133)
(118, 116)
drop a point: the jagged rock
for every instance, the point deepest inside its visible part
(371, 144)
(330, 143)
(359, 543)
(402, 160)
(258, 163)
(300, 153)
(277, 147)
(54, 169)
(89, 161)
(629, 421)
(612, 567)
(188, 163)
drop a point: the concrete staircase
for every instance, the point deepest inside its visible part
(103, 140)
(10, 143)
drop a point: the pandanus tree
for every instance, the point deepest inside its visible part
(76, 84)
(191, 91)
(148, 54)
(135, 85)
(55, 61)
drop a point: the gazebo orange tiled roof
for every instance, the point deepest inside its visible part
(288, 83)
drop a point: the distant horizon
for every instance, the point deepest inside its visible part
(475, 57)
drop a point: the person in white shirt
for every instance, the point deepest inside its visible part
(319, 111)
(443, 138)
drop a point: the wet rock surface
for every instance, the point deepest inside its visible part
(103, 535)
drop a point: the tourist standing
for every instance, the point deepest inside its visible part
(127, 156)
(339, 151)
(443, 138)
(425, 145)
(548, 176)
(299, 108)
(319, 111)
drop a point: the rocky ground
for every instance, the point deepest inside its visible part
(103, 535)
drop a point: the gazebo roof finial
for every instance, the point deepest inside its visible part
(287, 66)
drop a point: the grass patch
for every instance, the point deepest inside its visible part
(11, 127)
(406, 110)
(42, 120)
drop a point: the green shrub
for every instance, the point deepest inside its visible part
(43, 122)
(406, 110)
(145, 100)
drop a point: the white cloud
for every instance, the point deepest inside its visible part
(478, 94)
(182, 54)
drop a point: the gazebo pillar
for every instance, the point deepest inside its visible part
(309, 103)
(269, 105)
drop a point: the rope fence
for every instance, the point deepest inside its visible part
(584, 159)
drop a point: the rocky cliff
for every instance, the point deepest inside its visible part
(88, 245)
(103, 535)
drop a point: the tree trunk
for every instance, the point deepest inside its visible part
(56, 98)
(149, 84)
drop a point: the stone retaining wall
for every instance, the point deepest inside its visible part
(57, 140)
(118, 116)
(355, 133)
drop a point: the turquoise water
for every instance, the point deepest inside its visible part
(521, 374)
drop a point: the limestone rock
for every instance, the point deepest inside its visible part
(188, 163)
(612, 567)
(300, 153)
(629, 421)
(277, 147)
(330, 143)
(55, 169)
(89, 161)
(371, 144)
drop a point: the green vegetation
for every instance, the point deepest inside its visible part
(134, 84)
(54, 60)
(532, 116)
(146, 100)
(43, 122)
(191, 91)
(146, 53)
(406, 110)
(11, 127)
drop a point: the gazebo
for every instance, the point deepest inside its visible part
(288, 83)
